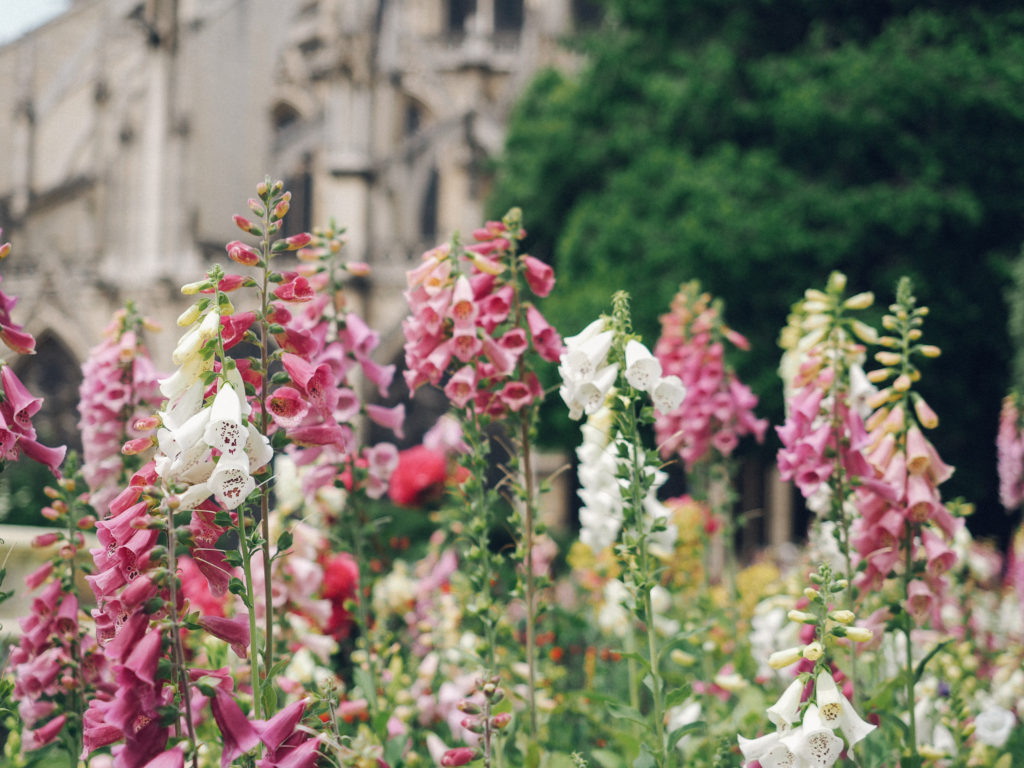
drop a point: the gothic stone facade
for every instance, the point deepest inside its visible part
(136, 128)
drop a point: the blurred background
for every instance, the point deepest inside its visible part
(755, 145)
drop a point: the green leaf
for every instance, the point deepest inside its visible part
(269, 700)
(624, 712)
(364, 680)
(284, 541)
(677, 696)
(919, 670)
(678, 733)
(606, 758)
(394, 749)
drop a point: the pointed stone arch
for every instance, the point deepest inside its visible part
(54, 374)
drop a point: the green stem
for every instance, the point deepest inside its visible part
(364, 616)
(531, 583)
(243, 548)
(907, 627)
(646, 582)
(178, 652)
(268, 651)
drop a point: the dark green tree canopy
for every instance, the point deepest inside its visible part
(759, 144)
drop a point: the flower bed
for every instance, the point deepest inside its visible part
(267, 588)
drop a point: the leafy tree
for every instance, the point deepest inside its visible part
(759, 144)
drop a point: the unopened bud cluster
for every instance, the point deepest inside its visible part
(479, 720)
(829, 624)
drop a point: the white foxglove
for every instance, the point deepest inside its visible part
(837, 712)
(643, 371)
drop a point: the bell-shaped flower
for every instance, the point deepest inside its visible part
(756, 749)
(287, 406)
(461, 387)
(643, 371)
(224, 430)
(816, 745)
(668, 394)
(591, 394)
(539, 275)
(546, 340)
(193, 340)
(993, 726)
(235, 632)
(22, 404)
(786, 711)
(231, 482)
(837, 712)
(584, 357)
(238, 733)
(172, 758)
(463, 309)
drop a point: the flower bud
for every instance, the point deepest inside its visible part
(888, 358)
(468, 707)
(500, 720)
(813, 651)
(843, 617)
(256, 208)
(902, 383)
(782, 659)
(137, 446)
(245, 225)
(811, 593)
(860, 300)
(859, 634)
(864, 332)
(240, 253)
(836, 282)
(45, 539)
(802, 617)
(191, 289)
(460, 756)
(682, 658)
(358, 268)
(298, 241)
(147, 423)
(189, 316)
(5, 250)
(928, 418)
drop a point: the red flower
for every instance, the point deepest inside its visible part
(341, 584)
(419, 477)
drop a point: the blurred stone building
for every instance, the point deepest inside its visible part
(134, 129)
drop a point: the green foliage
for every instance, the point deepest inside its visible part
(760, 145)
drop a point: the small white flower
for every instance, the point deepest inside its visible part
(992, 726)
(257, 449)
(815, 744)
(231, 482)
(837, 711)
(643, 371)
(786, 710)
(668, 394)
(582, 361)
(224, 430)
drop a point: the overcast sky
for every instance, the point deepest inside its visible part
(19, 16)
